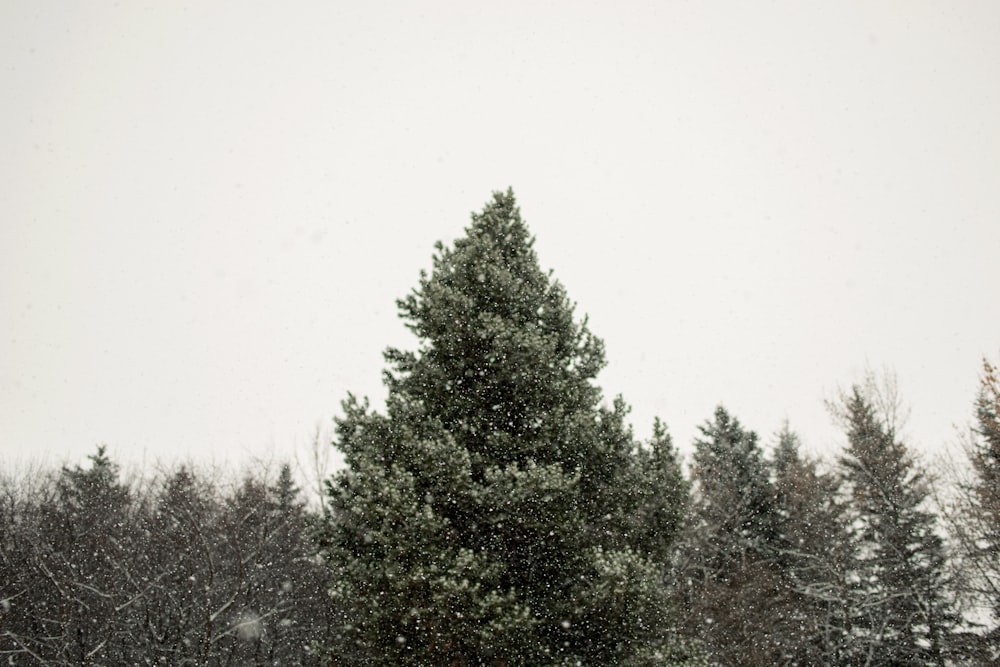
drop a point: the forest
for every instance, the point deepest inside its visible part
(499, 510)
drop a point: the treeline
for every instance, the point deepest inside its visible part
(500, 512)
(785, 562)
(167, 571)
(788, 560)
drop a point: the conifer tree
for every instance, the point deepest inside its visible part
(976, 524)
(661, 494)
(183, 544)
(735, 493)
(489, 516)
(81, 564)
(986, 458)
(900, 612)
(815, 556)
(732, 549)
(986, 463)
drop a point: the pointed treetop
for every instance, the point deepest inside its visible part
(786, 452)
(501, 353)
(988, 418)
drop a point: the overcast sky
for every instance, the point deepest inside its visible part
(208, 209)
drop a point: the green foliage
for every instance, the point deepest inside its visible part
(660, 493)
(503, 366)
(900, 612)
(497, 514)
(732, 567)
(736, 498)
(815, 556)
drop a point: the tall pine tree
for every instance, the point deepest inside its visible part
(488, 517)
(900, 612)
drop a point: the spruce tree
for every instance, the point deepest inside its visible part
(489, 516)
(83, 566)
(662, 496)
(815, 556)
(986, 454)
(985, 457)
(736, 497)
(976, 523)
(732, 548)
(900, 612)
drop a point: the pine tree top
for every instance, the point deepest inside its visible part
(501, 355)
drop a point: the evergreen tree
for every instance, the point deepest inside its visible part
(661, 494)
(489, 517)
(269, 593)
(732, 567)
(986, 458)
(735, 495)
(976, 524)
(986, 463)
(82, 568)
(182, 552)
(815, 556)
(900, 613)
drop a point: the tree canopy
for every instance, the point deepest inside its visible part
(489, 516)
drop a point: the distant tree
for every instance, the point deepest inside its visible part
(180, 559)
(985, 456)
(975, 523)
(735, 495)
(736, 587)
(73, 571)
(815, 556)
(660, 494)
(235, 582)
(489, 517)
(23, 584)
(901, 613)
(96, 572)
(277, 610)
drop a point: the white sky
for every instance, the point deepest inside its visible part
(207, 210)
